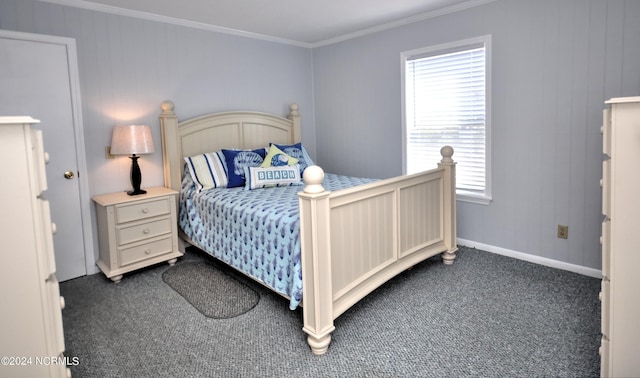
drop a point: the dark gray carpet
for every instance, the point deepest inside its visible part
(485, 316)
(210, 290)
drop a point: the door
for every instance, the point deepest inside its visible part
(38, 77)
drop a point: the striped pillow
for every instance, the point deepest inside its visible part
(208, 170)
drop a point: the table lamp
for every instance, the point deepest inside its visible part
(132, 140)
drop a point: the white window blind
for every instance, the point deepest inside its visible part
(446, 104)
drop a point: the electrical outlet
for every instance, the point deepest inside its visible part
(107, 153)
(563, 231)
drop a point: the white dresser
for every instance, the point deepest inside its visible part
(32, 341)
(620, 295)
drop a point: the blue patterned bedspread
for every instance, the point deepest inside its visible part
(255, 231)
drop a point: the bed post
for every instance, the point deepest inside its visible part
(169, 128)
(317, 292)
(294, 116)
(170, 152)
(449, 199)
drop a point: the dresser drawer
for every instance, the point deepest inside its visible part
(55, 303)
(48, 229)
(144, 251)
(605, 183)
(604, 357)
(141, 210)
(141, 231)
(606, 131)
(605, 296)
(39, 160)
(606, 248)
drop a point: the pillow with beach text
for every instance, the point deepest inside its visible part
(261, 177)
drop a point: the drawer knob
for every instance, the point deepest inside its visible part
(600, 296)
(601, 183)
(54, 228)
(145, 231)
(46, 158)
(145, 210)
(62, 303)
(147, 251)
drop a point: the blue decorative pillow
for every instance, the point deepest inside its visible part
(276, 158)
(297, 151)
(208, 170)
(237, 160)
(268, 177)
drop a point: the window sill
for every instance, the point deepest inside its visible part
(479, 199)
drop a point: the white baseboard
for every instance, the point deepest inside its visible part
(532, 258)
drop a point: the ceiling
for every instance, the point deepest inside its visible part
(303, 22)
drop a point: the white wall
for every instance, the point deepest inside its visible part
(554, 64)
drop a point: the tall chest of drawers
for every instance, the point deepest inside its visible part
(32, 341)
(620, 295)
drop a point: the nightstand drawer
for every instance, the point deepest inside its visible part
(142, 210)
(145, 251)
(143, 231)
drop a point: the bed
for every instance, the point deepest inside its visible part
(347, 237)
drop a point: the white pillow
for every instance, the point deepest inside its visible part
(259, 177)
(208, 170)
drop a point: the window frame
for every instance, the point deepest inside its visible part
(441, 49)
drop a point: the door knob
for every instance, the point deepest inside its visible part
(68, 175)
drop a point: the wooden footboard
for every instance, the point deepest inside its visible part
(356, 239)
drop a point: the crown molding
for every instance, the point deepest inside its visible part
(82, 4)
(404, 21)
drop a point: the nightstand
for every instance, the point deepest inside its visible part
(136, 231)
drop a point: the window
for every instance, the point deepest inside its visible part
(446, 102)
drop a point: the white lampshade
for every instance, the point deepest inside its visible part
(131, 139)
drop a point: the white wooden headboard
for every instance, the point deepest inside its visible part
(213, 132)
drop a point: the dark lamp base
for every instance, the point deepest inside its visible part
(136, 192)
(136, 177)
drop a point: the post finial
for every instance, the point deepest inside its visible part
(293, 110)
(313, 177)
(167, 106)
(447, 153)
